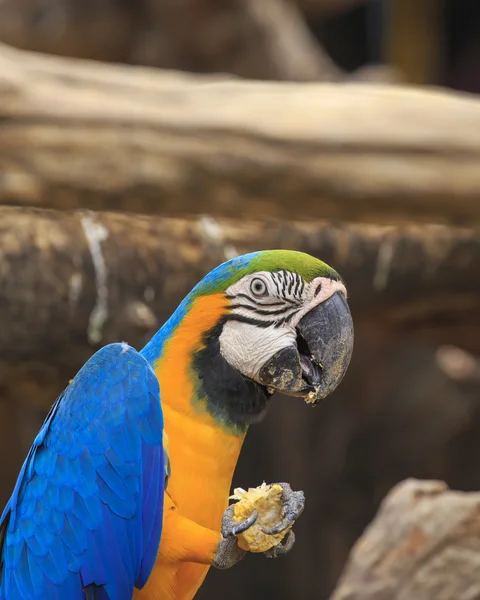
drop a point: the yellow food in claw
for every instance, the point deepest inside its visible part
(267, 501)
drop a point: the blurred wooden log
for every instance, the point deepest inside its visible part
(79, 134)
(259, 40)
(69, 282)
(94, 29)
(423, 544)
(264, 40)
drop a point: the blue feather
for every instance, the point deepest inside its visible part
(87, 508)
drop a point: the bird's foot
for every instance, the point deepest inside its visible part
(228, 551)
(283, 548)
(293, 505)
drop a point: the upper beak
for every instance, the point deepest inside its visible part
(324, 348)
(328, 332)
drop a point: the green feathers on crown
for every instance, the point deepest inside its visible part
(232, 271)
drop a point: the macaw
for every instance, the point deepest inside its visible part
(124, 492)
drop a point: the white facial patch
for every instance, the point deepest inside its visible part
(267, 308)
(248, 347)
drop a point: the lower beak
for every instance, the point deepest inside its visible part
(317, 365)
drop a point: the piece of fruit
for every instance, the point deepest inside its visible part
(267, 501)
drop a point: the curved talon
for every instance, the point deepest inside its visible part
(287, 544)
(293, 505)
(241, 527)
(230, 527)
(280, 527)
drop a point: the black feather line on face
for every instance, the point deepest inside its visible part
(255, 302)
(291, 284)
(250, 320)
(297, 284)
(234, 401)
(268, 313)
(274, 279)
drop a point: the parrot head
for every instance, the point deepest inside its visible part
(275, 320)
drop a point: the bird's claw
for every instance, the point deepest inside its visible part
(293, 505)
(230, 527)
(285, 546)
(228, 552)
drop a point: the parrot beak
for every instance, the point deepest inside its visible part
(327, 331)
(314, 368)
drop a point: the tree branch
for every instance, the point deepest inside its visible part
(259, 40)
(79, 134)
(266, 40)
(72, 281)
(424, 543)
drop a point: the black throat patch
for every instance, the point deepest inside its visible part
(231, 398)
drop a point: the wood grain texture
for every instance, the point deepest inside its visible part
(86, 135)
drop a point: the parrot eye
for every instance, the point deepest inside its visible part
(258, 287)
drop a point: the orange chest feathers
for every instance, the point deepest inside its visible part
(203, 454)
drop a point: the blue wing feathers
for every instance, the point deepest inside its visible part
(153, 516)
(86, 512)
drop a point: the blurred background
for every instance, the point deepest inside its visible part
(410, 403)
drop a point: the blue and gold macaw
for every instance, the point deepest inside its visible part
(97, 513)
